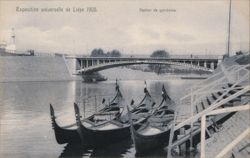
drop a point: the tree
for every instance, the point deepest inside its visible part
(97, 53)
(160, 53)
(115, 53)
(100, 53)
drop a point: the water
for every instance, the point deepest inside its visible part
(25, 127)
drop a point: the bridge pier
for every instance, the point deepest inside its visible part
(215, 65)
(212, 65)
(205, 64)
(78, 64)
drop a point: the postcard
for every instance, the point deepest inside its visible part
(124, 78)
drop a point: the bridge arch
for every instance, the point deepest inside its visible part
(103, 66)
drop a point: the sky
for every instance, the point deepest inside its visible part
(179, 27)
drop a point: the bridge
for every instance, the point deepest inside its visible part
(88, 65)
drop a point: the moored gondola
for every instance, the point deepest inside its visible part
(95, 134)
(154, 132)
(66, 134)
(69, 133)
(109, 112)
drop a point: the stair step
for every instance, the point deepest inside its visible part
(205, 103)
(196, 109)
(208, 101)
(243, 120)
(211, 99)
(203, 106)
(215, 96)
(241, 154)
(230, 130)
(221, 93)
(242, 144)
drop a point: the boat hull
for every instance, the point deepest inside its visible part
(95, 138)
(145, 144)
(64, 135)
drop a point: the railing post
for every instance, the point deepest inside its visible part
(203, 136)
(171, 136)
(192, 113)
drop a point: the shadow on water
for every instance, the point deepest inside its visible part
(157, 153)
(114, 150)
(73, 150)
(121, 149)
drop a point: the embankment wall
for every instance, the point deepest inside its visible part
(33, 68)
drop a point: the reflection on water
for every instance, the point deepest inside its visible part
(73, 150)
(25, 127)
(124, 148)
(114, 150)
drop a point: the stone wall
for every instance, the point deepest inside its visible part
(33, 68)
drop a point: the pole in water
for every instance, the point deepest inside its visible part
(95, 104)
(229, 28)
(83, 108)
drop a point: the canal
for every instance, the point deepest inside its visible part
(25, 127)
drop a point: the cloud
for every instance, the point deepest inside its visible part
(54, 39)
(179, 37)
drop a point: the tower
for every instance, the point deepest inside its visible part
(13, 36)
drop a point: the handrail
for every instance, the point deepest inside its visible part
(213, 106)
(224, 110)
(215, 82)
(231, 88)
(232, 69)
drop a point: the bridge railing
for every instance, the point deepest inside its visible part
(176, 56)
(35, 53)
(98, 67)
(171, 56)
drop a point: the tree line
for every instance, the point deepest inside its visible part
(98, 52)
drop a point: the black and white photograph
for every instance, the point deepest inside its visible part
(124, 78)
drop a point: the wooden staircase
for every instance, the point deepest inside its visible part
(230, 130)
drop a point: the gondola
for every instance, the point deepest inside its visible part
(154, 132)
(109, 112)
(65, 134)
(97, 134)
(69, 133)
